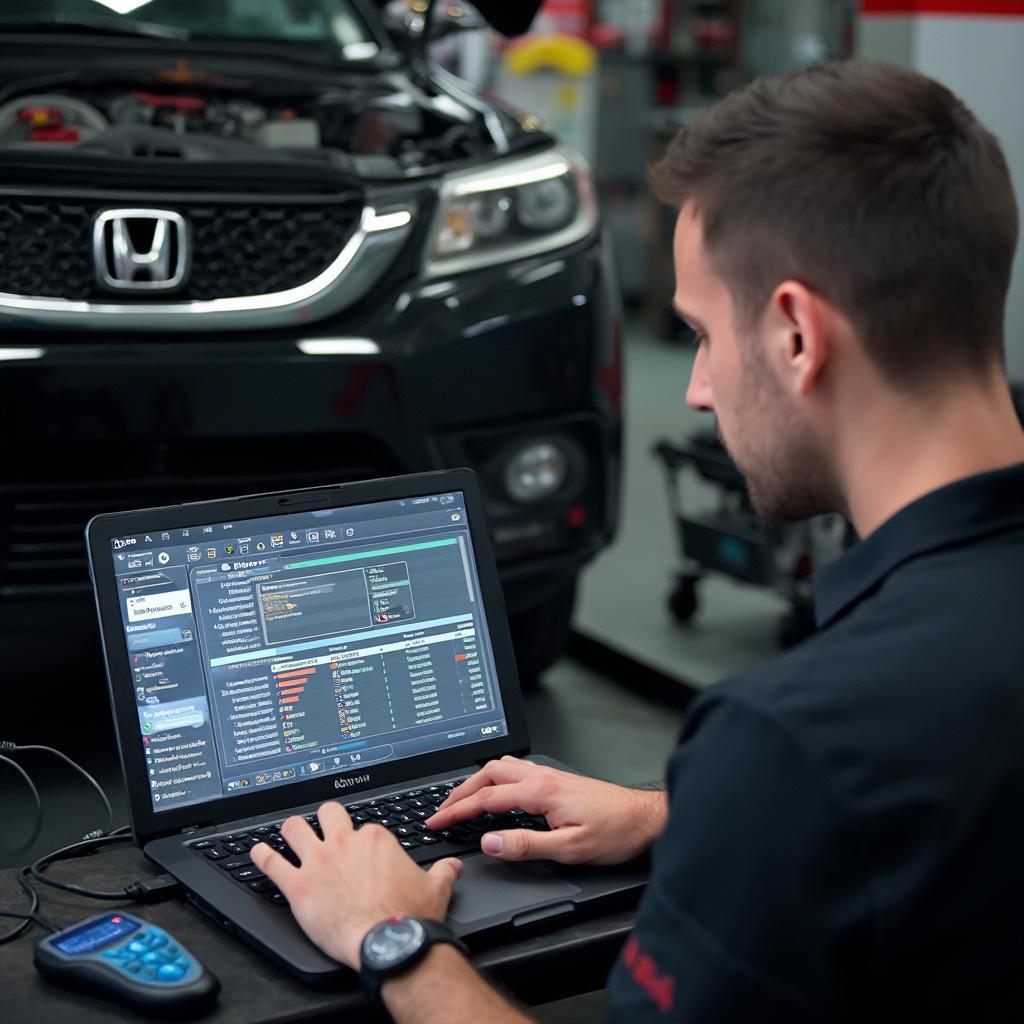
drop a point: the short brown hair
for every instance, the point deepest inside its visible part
(876, 187)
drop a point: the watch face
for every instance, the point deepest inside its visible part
(390, 942)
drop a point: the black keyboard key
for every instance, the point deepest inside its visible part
(359, 817)
(278, 898)
(263, 830)
(263, 885)
(204, 844)
(235, 848)
(419, 803)
(395, 807)
(423, 814)
(408, 844)
(412, 793)
(237, 837)
(236, 862)
(428, 837)
(249, 874)
(215, 854)
(378, 812)
(403, 831)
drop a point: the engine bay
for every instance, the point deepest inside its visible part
(374, 130)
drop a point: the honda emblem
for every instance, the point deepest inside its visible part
(140, 250)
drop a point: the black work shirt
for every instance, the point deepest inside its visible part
(846, 827)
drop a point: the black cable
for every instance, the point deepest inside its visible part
(73, 850)
(30, 915)
(38, 823)
(8, 747)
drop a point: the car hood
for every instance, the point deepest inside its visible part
(509, 17)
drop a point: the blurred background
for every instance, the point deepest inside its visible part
(692, 587)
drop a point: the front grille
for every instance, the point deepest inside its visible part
(238, 249)
(42, 547)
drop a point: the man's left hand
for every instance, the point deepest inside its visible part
(349, 881)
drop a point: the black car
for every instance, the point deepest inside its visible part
(247, 245)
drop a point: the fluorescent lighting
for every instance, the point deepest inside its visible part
(123, 6)
(338, 347)
(12, 354)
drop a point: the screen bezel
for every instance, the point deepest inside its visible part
(147, 824)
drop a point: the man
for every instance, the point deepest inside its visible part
(844, 833)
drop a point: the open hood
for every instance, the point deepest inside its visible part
(509, 17)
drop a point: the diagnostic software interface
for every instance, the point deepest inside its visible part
(266, 651)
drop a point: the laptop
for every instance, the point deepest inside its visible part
(267, 653)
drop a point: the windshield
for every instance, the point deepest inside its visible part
(334, 23)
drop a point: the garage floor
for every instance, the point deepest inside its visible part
(622, 599)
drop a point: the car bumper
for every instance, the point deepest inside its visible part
(416, 376)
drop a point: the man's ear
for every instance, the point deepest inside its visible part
(801, 335)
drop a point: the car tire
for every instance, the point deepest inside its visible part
(539, 634)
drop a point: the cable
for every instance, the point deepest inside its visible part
(8, 747)
(145, 890)
(38, 823)
(73, 850)
(30, 916)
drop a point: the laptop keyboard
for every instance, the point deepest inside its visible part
(403, 814)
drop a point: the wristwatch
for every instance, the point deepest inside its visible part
(395, 945)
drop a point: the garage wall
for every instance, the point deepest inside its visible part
(981, 58)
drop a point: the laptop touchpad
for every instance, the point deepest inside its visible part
(489, 887)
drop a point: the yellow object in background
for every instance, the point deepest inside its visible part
(565, 54)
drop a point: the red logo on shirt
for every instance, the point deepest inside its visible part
(644, 971)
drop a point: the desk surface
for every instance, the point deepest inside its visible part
(543, 967)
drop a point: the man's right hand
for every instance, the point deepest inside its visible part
(592, 822)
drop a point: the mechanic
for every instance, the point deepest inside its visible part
(843, 836)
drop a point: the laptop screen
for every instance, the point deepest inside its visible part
(268, 650)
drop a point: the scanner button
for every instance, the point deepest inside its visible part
(134, 967)
(151, 958)
(157, 941)
(136, 947)
(170, 972)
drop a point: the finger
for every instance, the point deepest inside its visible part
(301, 837)
(524, 844)
(444, 874)
(273, 865)
(334, 820)
(495, 799)
(508, 769)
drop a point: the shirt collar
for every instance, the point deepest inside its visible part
(966, 509)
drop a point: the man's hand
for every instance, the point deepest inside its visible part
(592, 822)
(350, 881)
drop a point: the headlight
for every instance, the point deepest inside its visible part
(536, 471)
(511, 210)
